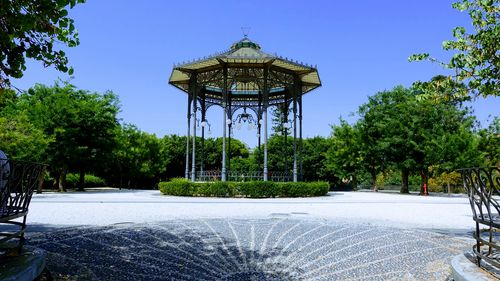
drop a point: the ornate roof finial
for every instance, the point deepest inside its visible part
(245, 30)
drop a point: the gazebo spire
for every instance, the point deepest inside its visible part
(245, 30)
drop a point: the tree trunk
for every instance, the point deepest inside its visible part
(374, 181)
(404, 181)
(81, 181)
(121, 175)
(422, 182)
(354, 182)
(62, 178)
(40, 182)
(55, 182)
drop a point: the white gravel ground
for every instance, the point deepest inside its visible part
(110, 206)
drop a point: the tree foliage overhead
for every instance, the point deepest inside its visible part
(32, 29)
(476, 61)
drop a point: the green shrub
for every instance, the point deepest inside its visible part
(72, 181)
(258, 189)
(178, 187)
(253, 189)
(217, 189)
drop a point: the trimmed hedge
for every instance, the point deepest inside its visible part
(252, 189)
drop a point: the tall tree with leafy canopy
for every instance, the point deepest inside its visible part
(81, 123)
(173, 155)
(314, 163)
(413, 135)
(371, 149)
(30, 28)
(138, 158)
(343, 157)
(476, 62)
(386, 133)
(443, 137)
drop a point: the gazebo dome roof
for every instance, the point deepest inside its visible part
(245, 62)
(245, 43)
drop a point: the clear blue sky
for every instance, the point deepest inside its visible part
(359, 47)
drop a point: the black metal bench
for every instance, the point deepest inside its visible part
(18, 180)
(483, 188)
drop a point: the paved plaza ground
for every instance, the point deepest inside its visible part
(142, 235)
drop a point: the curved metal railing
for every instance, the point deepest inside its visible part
(18, 181)
(483, 189)
(214, 175)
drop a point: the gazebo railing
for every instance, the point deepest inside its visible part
(215, 175)
(483, 189)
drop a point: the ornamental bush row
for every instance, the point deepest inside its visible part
(252, 189)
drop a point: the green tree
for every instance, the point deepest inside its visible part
(138, 157)
(7, 96)
(239, 151)
(279, 155)
(280, 119)
(476, 61)
(343, 157)
(81, 123)
(443, 137)
(314, 159)
(412, 135)
(372, 150)
(489, 143)
(30, 28)
(21, 140)
(386, 134)
(173, 155)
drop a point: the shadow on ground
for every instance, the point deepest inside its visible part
(268, 249)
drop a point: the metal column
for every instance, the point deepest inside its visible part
(203, 117)
(264, 117)
(224, 109)
(195, 108)
(301, 174)
(295, 136)
(186, 173)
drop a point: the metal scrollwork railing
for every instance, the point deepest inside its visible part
(18, 181)
(483, 189)
(277, 176)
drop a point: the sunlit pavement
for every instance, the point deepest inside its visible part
(141, 235)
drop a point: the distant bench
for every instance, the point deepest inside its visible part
(483, 189)
(18, 180)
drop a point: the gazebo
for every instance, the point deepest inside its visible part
(244, 77)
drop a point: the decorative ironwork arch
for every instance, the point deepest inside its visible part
(243, 77)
